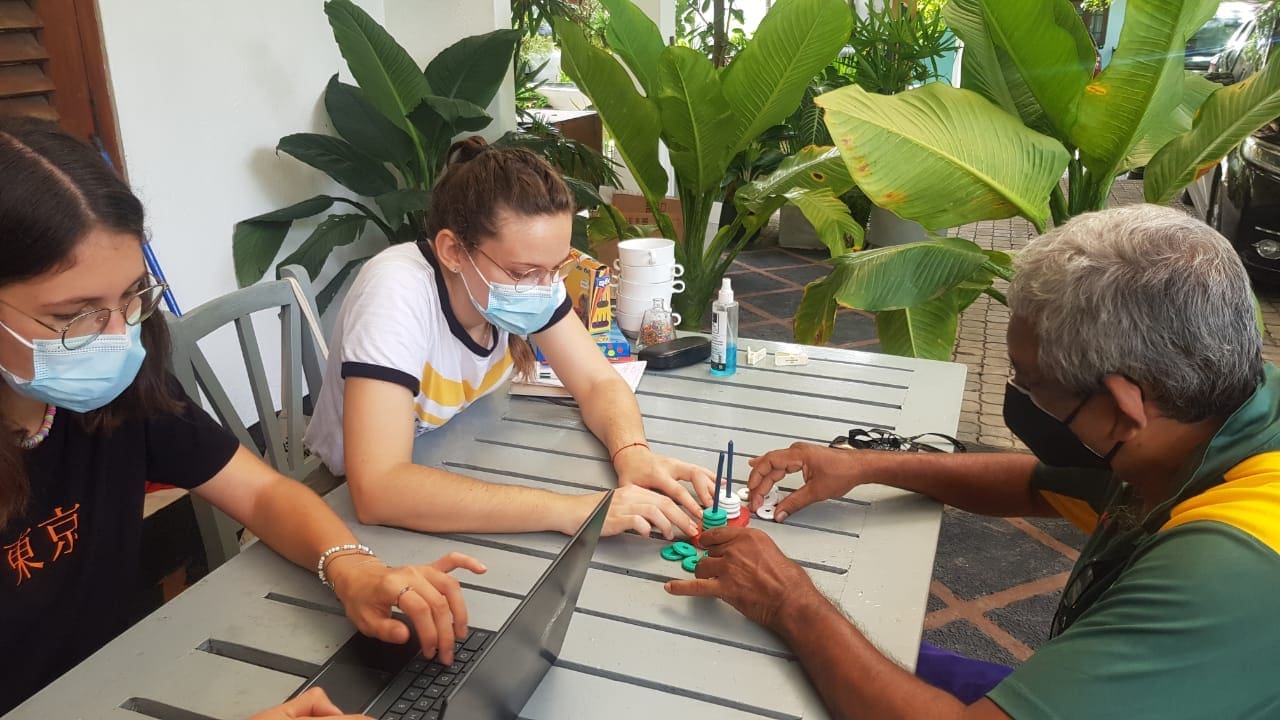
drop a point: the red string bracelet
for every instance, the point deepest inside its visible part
(618, 452)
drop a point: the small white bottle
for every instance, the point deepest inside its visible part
(724, 332)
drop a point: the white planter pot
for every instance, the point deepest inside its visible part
(885, 228)
(565, 96)
(795, 231)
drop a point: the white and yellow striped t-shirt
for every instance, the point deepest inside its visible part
(396, 325)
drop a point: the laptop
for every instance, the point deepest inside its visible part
(494, 672)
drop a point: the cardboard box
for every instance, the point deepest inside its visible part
(588, 288)
(636, 211)
(612, 343)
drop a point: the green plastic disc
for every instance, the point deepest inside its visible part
(713, 518)
(684, 549)
(691, 563)
(678, 551)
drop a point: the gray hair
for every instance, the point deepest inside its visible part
(1149, 293)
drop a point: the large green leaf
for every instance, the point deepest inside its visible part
(362, 125)
(256, 240)
(636, 39)
(1141, 84)
(1042, 51)
(334, 231)
(396, 204)
(1225, 119)
(981, 69)
(765, 81)
(816, 317)
(836, 228)
(341, 161)
(631, 119)
(325, 297)
(438, 119)
(1195, 90)
(902, 276)
(980, 281)
(609, 224)
(694, 115)
(943, 156)
(473, 68)
(927, 330)
(383, 69)
(452, 114)
(813, 168)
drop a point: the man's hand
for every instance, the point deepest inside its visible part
(639, 466)
(746, 569)
(310, 704)
(828, 473)
(427, 594)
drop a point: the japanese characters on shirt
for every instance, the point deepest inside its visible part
(43, 544)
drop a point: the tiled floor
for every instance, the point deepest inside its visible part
(768, 285)
(996, 581)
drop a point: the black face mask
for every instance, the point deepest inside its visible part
(1049, 438)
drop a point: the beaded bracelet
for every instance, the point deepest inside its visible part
(324, 559)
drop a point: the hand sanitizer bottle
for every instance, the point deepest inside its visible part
(724, 332)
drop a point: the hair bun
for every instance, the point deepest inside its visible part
(466, 149)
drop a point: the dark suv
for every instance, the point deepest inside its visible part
(1241, 196)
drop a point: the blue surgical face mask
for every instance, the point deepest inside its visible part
(519, 312)
(83, 379)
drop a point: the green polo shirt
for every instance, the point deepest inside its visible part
(1189, 629)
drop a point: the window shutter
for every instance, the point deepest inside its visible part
(25, 86)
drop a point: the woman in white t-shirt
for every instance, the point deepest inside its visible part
(428, 328)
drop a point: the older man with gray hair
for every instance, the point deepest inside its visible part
(1137, 381)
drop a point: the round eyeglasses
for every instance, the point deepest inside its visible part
(87, 326)
(532, 278)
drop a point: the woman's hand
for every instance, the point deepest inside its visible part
(427, 594)
(636, 508)
(641, 467)
(310, 704)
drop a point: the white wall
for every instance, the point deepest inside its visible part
(663, 14)
(204, 90)
(1114, 22)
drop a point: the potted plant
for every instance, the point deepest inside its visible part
(895, 46)
(393, 129)
(1030, 108)
(706, 116)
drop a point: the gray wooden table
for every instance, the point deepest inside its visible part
(239, 640)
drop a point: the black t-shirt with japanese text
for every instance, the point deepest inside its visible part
(71, 560)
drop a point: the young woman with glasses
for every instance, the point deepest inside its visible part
(430, 327)
(91, 413)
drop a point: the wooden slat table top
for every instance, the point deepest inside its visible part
(240, 639)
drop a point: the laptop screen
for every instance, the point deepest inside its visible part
(509, 670)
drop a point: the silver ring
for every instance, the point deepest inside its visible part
(406, 589)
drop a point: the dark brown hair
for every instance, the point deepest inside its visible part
(54, 190)
(482, 181)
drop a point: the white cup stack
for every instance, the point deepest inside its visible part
(646, 270)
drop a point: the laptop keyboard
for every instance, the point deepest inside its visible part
(424, 683)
